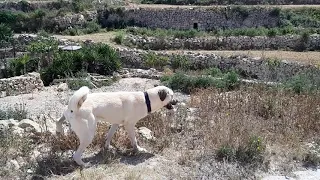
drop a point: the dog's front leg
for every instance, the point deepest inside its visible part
(111, 132)
(59, 129)
(131, 133)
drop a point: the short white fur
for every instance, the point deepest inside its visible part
(126, 108)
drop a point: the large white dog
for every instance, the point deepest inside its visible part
(127, 108)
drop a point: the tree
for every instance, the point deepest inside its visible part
(6, 36)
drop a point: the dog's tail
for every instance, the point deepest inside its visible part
(77, 99)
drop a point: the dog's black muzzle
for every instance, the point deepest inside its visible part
(171, 104)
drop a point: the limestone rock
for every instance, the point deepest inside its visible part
(63, 87)
(29, 123)
(146, 133)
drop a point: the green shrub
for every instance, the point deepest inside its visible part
(275, 12)
(155, 61)
(300, 84)
(119, 38)
(303, 42)
(231, 79)
(77, 6)
(97, 58)
(91, 27)
(272, 32)
(225, 153)
(180, 62)
(185, 83)
(249, 153)
(214, 72)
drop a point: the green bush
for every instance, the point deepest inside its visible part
(152, 60)
(249, 153)
(180, 62)
(119, 38)
(187, 84)
(214, 72)
(97, 58)
(91, 27)
(303, 42)
(301, 84)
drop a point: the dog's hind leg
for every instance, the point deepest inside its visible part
(111, 132)
(85, 130)
(132, 136)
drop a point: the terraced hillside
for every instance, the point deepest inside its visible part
(247, 79)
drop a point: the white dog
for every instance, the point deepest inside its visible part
(127, 108)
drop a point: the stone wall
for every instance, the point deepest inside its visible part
(189, 18)
(239, 2)
(289, 42)
(20, 84)
(255, 68)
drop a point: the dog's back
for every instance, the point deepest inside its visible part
(115, 107)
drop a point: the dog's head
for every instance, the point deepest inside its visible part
(166, 96)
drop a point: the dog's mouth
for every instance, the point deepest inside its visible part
(171, 104)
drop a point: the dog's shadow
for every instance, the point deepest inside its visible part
(55, 164)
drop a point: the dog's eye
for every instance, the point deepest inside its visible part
(71, 111)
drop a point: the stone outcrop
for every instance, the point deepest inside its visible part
(73, 20)
(21, 84)
(288, 42)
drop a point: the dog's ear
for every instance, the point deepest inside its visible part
(162, 94)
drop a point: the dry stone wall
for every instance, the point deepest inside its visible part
(256, 68)
(20, 84)
(189, 18)
(289, 42)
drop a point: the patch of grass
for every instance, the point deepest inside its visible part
(180, 62)
(18, 112)
(119, 38)
(307, 82)
(186, 83)
(152, 60)
(250, 153)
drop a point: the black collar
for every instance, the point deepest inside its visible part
(146, 97)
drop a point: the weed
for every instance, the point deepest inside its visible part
(18, 112)
(119, 38)
(180, 62)
(155, 61)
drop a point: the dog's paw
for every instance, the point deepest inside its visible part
(110, 148)
(140, 149)
(85, 165)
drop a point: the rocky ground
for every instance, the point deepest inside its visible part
(51, 101)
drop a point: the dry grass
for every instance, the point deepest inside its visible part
(105, 37)
(222, 128)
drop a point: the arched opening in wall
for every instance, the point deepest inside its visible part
(195, 26)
